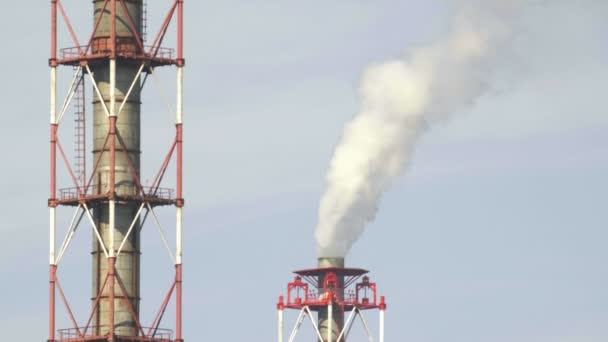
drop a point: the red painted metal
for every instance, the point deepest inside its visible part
(68, 23)
(113, 30)
(127, 299)
(305, 290)
(53, 33)
(96, 27)
(140, 188)
(132, 26)
(67, 305)
(163, 30)
(112, 281)
(52, 272)
(161, 311)
(153, 56)
(68, 165)
(178, 300)
(160, 174)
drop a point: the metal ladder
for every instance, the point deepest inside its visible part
(80, 158)
(144, 20)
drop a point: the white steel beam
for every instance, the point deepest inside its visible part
(381, 339)
(133, 84)
(162, 92)
(92, 221)
(141, 207)
(294, 332)
(162, 233)
(349, 322)
(369, 334)
(68, 99)
(74, 223)
(99, 96)
(313, 323)
(280, 332)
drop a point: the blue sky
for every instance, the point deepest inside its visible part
(495, 233)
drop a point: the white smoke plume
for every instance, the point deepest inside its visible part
(399, 99)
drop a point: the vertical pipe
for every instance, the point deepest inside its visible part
(112, 203)
(382, 312)
(113, 28)
(179, 137)
(53, 171)
(280, 308)
(330, 312)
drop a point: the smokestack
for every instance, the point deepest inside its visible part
(336, 321)
(128, 126)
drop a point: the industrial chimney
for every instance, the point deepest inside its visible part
(337, 294)
(111, 198)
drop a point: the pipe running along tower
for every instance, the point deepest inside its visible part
(111, 199)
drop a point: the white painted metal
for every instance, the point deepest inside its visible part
(313, 323)
(112, 213)
(133, 223)
(178, 236)
(381, 339)
(349, 322)
(133, 84)
(99, 96)
(369, 334)
(68, 99)
(330, 314)
(112, 89)
(294, 332)
(180, 94)
(92, 221)
(161, 91)
(280, 332)
(53, 95)
(53, 210)
(52, 234)
(162, 233)
(74, 223)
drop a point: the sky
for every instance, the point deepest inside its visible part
(495, 233)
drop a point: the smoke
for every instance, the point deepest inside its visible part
(400, 99)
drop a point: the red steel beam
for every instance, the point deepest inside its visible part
(67, 307)
(103, 149)
(97, 300)
(163, 30)
(113, 28)
(131, 166)
(129, 304)
(96, 27)
(132, 25)
(52, 271)
(69, 25)
(159, 176)
(69, 167)
(161, 311)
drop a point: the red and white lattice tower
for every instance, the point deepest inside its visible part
(111, 198)
(338, 296)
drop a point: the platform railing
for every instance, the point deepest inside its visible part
(157, 52)
(157, 335)
(129, 190)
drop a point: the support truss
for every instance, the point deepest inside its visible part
(81, 196)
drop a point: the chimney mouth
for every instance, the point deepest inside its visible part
(330, 262)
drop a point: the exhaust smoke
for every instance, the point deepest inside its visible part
(400, 99)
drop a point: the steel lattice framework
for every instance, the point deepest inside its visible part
(113, 52)
(333, 290)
